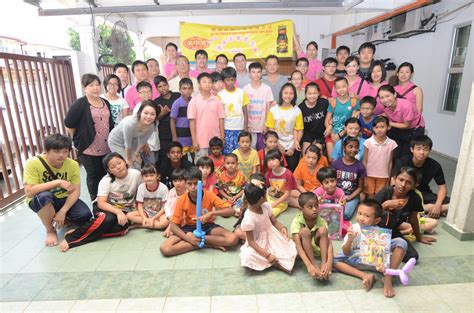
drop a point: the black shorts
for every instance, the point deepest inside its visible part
(429, 197)
(206, 228)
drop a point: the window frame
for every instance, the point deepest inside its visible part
(452, 70)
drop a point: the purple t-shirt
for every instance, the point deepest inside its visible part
(179, 111)
(348, 175)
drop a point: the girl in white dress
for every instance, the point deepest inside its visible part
(267, 241)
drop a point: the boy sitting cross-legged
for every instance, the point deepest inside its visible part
(310, 233)
(348, 262)
(183, 221)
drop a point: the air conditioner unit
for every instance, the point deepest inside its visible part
(379, 33)
(412, 23)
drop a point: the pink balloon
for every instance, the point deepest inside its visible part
(403, 272)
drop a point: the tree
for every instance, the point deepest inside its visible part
(74, 41)
(124, 54)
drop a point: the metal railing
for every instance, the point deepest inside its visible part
(104, 70)
(35, 94)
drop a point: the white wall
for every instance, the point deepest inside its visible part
(430, 55)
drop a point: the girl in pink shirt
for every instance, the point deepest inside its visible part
(406, 89)
(376, 78)
(378, 157)
(358, 87)
(315, 66)
(406, 121)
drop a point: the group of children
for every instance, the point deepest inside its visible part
(257, 154)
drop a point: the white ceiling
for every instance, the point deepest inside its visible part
(147, 8)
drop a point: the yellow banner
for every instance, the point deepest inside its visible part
(255, 41)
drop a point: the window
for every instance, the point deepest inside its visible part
(456, 67)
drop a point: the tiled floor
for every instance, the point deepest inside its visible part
(129, 274)
(455, 298)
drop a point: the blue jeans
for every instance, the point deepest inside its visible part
(350, 208)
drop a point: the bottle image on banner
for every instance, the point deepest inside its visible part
(282, 40)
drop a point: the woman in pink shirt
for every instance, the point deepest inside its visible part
(170, 63)
(358, 87)
(405, 120)
(315, 66)
(376, 78)
(406, 89)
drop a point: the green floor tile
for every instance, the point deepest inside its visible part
(5, 278)
(189, 283)
(229, 259)
(274, 281)
(198, 259)
(152, 259)
(136, 240)
(120, 260)
(24, 287)
(426, 251)
(232, 281)
(81, 261)
(449, 247)
(149, 284)
(65, 286)
(107, 285)
(443, 270)
(49, 260)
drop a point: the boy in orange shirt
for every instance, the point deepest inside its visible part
(183, 221)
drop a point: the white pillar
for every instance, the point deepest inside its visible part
(460, 220)
(89, 47)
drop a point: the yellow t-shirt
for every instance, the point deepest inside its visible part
(35, 173)
(246, 165)
(234, 103)
(285, 121)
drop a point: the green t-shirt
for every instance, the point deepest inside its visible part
(35, 173)
(299, 222)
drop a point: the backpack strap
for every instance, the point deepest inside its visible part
(353, 102)
(46, 166)
(407, 91)
(360, 85)
(333, 104)
(326, 84)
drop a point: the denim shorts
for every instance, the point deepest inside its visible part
(354, 258)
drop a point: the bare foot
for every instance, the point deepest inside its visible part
(64, 245)
(368, 281)
(51, 239)
(388, 290)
